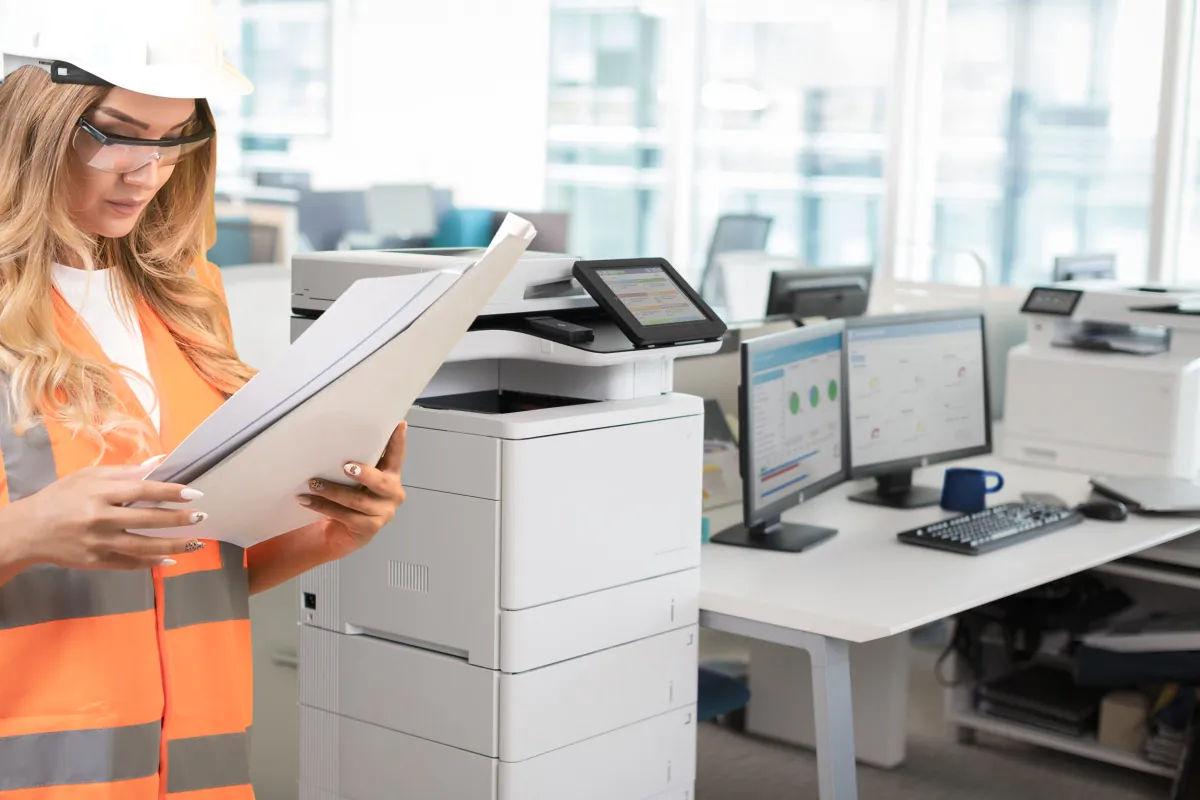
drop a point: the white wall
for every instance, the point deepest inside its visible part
(452, 92)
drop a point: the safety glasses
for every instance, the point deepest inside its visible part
(122, 154)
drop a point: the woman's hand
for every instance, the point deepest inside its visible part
(354, 514)
(82, 521)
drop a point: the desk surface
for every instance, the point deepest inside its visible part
(864, 584)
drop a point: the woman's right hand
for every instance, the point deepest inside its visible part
(82, 521)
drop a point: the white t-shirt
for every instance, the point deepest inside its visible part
(117, 333)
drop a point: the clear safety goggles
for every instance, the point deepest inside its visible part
(122, 154)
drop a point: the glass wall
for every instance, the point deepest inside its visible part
(605, 139)
(792, 123)
(1048, 125)
(284, 47)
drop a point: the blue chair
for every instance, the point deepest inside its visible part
(241, 242)
(466, 227)
(721, 695)
(233, 245)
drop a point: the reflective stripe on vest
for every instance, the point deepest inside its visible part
(65, 758)
(105, 673)
(28, 459)
(208, 762)
(215, 595)
(46, 593)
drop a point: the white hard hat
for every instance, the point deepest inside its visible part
(165, 48)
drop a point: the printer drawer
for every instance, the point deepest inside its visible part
(447, 571)
(535, 637)
(515, 717)
(348, 759)
(429, 578)
(586, 511)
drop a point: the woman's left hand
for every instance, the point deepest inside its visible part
(354, 514)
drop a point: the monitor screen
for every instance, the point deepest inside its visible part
(650, 295)
(916, 389)
(794, 400)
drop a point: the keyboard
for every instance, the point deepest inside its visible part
(992, 528)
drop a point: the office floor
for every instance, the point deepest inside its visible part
(733, 766)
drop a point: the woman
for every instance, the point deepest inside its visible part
(125, 660)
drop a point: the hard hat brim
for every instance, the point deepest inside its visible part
(206, 81)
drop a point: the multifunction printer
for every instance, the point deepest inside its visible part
(526, 626)
(1108, 381)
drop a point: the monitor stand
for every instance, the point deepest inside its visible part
(896, 490)
(782, 537)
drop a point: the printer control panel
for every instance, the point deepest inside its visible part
(1053, 301)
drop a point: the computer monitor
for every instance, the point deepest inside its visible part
(791, 427)
(733, 233)
(917, 394)
(829, 292)
(1101, 266)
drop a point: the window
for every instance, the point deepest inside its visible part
(1186, 267)
(792, 123)
(284, 48)
(605, 138)
(286, 53)
(1048, 126)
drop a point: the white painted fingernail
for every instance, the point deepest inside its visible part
(304, 500)
(353, 470)
(154, 460)
(198, 517)
(191, 494)
(167, 562)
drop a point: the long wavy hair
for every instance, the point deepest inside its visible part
(46, 378)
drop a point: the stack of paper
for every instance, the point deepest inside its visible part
(336, 396)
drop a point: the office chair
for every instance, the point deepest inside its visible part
(465, 227)
(241, 242)
(324, 218)
(734, 232)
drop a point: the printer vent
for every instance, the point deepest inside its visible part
(410, 577)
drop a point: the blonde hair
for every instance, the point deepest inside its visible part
(47, 379)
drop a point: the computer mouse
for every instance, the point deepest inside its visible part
(1107, 510)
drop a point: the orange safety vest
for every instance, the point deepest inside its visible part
(122, 685)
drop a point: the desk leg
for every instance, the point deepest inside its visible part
(834, 719)
(832, 704)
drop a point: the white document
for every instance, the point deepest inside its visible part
(336, 396)
(372, 312)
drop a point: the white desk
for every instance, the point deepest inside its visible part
(864, 585)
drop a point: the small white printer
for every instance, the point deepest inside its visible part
(1108, 381)
(526, 627)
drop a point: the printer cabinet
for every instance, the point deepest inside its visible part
(495, 714)
(493, 529)
(347, 759)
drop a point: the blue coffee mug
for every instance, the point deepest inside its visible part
(965, 490)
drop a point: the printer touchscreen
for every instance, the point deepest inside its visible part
(650, 295)
(649, 301)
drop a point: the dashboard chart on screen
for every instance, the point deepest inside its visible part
(916, 389)
(796, 404)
